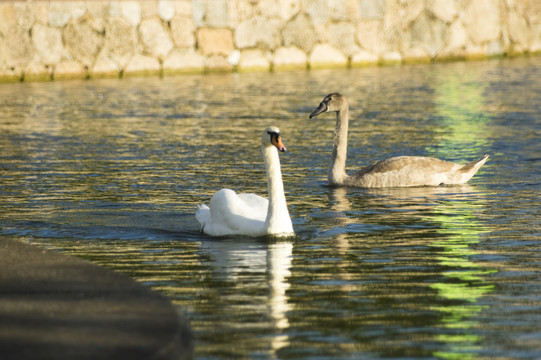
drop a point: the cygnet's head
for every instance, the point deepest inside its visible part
(271, 137)
(331, 102)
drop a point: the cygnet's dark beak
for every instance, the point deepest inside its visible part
(321, 109)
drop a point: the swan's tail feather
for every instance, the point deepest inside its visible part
(466, 172)
(203, 215)
(474, 165)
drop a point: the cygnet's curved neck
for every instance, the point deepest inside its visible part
(337, 169)
(278, 220)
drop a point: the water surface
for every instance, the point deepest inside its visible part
(112, 171)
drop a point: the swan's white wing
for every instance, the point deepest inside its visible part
(234, 214)
(256, 205)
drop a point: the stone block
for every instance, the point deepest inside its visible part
(183, 61)
(83, 42)
(183, 32)
(370, 36)
(456, 54)
(457, 37)
(417, 55)
(218, 64)
(288, 8)
(317, 11)
(455, 46)
(342, 36)
(299, 32)
(445, 10)
(24, 14)
(104, 68)
(120, 40)
(327, 56)
(11, 74)
(532, 12)
(239, 11)
(429, 33)
(69, 69)
(519, 32)
(535, 41)
(259, 32)
(253, 60)
(396, 39)
(17, 47)
(148, 9)
(47, 43)
(289, 58)
(321, 11)
(495, 49)
(99, 10)
(141, 65)
(391, 58)
(371, 9)
(155, 38)
(344, 9)
(166, 9)
(482, 20)
(476, 52)
(130, 10)
(363, 58)
(215, 41)
(61, 12)
(38, 72)
(268, 8)
(234, 58)
(7, 17)
(211, 13)
(400, 14)
(183, 7)
(97, 24)
(41, 12)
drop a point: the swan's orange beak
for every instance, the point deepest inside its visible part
(277, 141)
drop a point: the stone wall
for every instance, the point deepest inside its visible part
(43, 40)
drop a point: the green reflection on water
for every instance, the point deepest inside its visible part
(459, 101)
(466, 283)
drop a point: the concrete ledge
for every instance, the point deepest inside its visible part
(54, 306)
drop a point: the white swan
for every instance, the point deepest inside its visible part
(229, 213)
(400, 171)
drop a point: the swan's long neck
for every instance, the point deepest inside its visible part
(278, 220)
(337, 168)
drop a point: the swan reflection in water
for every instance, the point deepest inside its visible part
(260, 271)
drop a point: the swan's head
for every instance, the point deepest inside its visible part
(331, 102)
(271, 137)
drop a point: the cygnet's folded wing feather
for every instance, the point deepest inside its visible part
(403, 162)
(415, 171)
(404, 171)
